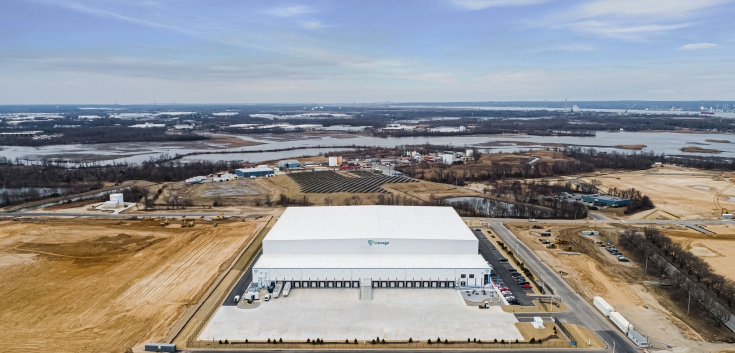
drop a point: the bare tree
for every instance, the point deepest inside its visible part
(328, 201)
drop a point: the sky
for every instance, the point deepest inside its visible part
(216, 51)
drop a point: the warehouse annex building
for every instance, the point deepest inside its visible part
(377, 246)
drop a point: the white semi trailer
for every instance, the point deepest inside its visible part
(620, 322)
(601, 305)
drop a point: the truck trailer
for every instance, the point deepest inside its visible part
(601, 305)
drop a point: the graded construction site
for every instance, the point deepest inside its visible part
(87, 285)
(592, 271)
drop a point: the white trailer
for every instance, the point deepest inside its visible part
(590, 232)
(252, 293)
(277, 289)
(601, 305)
(620, 322)
(286, 289)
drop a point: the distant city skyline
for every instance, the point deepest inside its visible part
(137, 52)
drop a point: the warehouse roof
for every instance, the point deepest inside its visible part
(367, 222)
(356, 261)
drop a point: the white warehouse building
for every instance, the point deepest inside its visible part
(378, 246)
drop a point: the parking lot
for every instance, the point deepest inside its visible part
(492, 255)
(339, 314)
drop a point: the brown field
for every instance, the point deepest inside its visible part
(683, 193)
(717, 249)
(81, 285)
(597, 273)
(717, 141)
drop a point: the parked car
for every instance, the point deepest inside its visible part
(526, 286)
(503, 260)
(267, 297)
(237, 299)
(532, 220)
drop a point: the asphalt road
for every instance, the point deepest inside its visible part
(580, 312)
(491, 255)
(242, 284)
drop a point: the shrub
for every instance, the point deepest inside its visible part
(429, 342)
(373, 342)
(446, 340)
(355, 340)
(502, 341)
(220, 341)
(346, 341)
(308, 340)
(533, 340)
(269, 341)
(410, 340)
(383, 340)
(280, 340)
(226, 341)
(496, 341)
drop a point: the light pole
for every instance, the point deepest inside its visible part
(613, 346)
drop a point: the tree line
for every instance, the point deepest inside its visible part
(692, 277)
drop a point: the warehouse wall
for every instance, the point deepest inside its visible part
(361, 246)
(396, 274)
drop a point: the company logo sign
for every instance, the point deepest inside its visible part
(373, 242)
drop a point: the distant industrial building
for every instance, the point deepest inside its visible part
(148, 125)
(289, 164)
(607, 200)
(259, 171)
(388, 246)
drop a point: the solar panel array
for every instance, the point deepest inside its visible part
(359, 182)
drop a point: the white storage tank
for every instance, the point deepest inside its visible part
(601, 305)
(620, 322)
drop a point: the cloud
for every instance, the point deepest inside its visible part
(483, 4)
(313, 25)
(635, 20)
(623, 30)
(697, 46)
(289, 11)
(644, 8)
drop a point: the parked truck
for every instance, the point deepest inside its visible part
(601, 305)
(277, 289)
(620, 321)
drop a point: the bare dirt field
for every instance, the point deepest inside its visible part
(594, 272)
(683, 193)
(80, 285)
(717, 249)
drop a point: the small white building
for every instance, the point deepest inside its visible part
(335, 161)
(116, 201)
(447, 158)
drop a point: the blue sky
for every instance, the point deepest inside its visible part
(59, 51)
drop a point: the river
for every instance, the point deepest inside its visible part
(666, 142)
